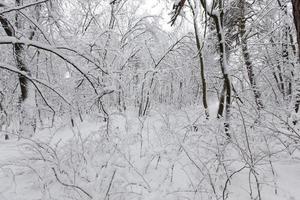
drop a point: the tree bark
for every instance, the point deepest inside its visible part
(225, 100)
(19, 56)
(201, 62)
(296, 13)
(246, 56)
(10, 31)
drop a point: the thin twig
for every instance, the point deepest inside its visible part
(110, 184)
(228, 179)
(70, 185)
(23, 7)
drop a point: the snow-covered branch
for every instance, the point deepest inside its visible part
(22, 7)
(13, 69)
(54, 50)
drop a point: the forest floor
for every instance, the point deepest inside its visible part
(158, 157)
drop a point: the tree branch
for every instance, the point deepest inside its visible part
(22, 7)
(14, 40)
(32, 80)
(69, 185)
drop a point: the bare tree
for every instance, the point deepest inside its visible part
(201, 61)
(225, 99)
(296, 12)
(216, 12)
(246, 55)
(18, 51)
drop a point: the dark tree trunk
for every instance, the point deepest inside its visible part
(225, 100)
(18, 49)
(296, 12)
(19, 56)
(201, 62)
(246, 56)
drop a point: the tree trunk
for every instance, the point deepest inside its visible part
(10, 31)
(296, 13)
(201, 62)
(246, 56)
(226, 92)
(19, 56)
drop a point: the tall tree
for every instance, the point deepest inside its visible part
(296, 13)
(18, 50)
(201, 61)
(216, 12)
(246, 54)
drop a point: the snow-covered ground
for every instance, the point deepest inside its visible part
(158, 157)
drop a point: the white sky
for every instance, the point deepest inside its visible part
(154, 7)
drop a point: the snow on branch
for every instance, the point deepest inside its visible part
(22, 7)
(39, 45)
(33, 80)
(85, 57)
(177, 7)
(70, 185)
